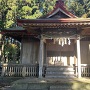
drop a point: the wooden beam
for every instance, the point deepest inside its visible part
(86, 31)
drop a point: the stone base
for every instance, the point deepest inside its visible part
(49, 84)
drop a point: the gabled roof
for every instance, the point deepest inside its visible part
(60, 7)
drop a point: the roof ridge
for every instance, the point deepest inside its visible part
(59, 2)
(61, 6)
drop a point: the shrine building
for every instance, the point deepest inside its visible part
(55, 45)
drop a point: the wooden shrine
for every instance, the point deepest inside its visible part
(58, 39)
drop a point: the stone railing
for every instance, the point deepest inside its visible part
(85, 70)
(19, 70)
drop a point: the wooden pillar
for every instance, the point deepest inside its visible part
(41, 57)
(78, 57)
(21, 52)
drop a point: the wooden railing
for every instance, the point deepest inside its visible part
(85, 70)
(19, 70)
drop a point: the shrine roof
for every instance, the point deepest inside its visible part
(60, 7)
(62, 20)
(55, 27)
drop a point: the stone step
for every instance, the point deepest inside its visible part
(37, 87)
(52, 66)
(30, 89)
(64, 87)
(23, 89)
(60, 66)
(59, 69)
(61, 76)
(59, 73)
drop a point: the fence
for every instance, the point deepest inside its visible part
(19, 70)
(85, 70)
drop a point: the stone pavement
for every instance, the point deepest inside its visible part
(50, 84)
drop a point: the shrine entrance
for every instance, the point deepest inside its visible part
(60, 57)
(61, 61)
(61, 52)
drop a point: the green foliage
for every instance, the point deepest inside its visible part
(11, 50)
(79, 7)
(26, 9)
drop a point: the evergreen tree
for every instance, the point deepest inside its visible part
(80, 8)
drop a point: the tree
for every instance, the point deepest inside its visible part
(7, 19)
(11, 51)
(80, 8)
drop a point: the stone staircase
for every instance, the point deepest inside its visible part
(59, 72)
